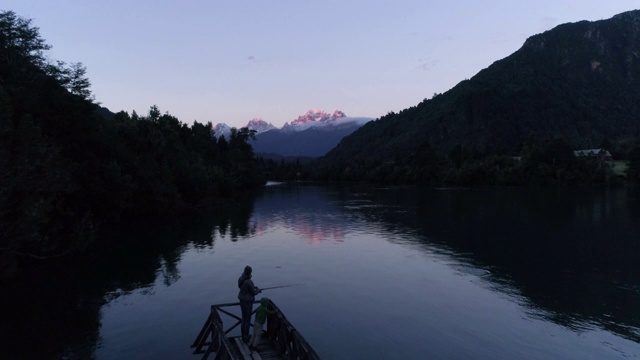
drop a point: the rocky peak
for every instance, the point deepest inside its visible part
(315, 115)
(221, 129)
(259, 125)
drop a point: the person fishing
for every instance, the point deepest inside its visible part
(261, 318)
(247, 294)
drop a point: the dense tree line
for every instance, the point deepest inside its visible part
(536, 162)
(66, 169)
(285, 168)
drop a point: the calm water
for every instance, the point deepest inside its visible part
(383, 273)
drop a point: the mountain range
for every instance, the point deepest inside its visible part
(310, 135)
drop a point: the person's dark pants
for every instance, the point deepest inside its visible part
(246, 307)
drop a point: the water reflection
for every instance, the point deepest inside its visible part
(234, 220)
(304, 210)
(570, 255)
(56, 306)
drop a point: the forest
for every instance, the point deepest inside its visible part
(547, 161)
(69, 167)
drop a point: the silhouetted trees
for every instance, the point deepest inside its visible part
(633, 171)
(66, 170)
(538, 162)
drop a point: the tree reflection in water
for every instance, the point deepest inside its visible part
(569, 255)
(54, 307)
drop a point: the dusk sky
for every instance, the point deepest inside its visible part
(232, 61)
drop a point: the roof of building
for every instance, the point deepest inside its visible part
(592, 152)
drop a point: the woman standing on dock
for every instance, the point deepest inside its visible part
(247, 294)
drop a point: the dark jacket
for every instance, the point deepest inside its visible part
(248, 291)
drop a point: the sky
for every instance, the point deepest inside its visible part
(229, 61)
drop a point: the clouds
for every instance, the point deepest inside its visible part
(427, 64)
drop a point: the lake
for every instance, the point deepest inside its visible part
(380, 273)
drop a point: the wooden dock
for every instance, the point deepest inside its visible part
(280, 340)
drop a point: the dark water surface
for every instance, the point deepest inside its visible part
(384, 273)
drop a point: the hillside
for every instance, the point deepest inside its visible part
(312, 142)
(578, 82)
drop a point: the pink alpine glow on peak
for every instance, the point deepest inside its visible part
(316, 115)
(338, 114)
(313, 118)
(259, 125)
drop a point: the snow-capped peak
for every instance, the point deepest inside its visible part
(256, 124)
(316, 115)
(259, 125)
(312, 118)
(221, 129)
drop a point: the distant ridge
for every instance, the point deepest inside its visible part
(579, 81)
(311, 142)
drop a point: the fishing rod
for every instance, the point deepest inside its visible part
(277, 287)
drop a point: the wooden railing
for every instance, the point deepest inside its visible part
(287, 340)
(219, 343)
